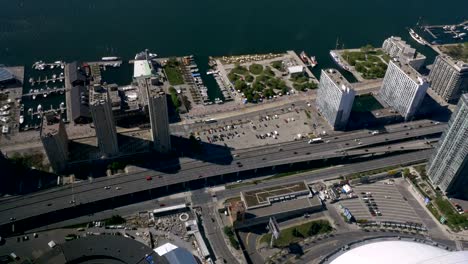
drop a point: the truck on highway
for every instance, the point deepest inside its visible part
(315, 140)
(211, 120)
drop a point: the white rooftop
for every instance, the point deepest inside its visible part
(295, 69)
(401, 252)
(141, 68)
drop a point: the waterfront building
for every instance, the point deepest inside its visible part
(101, 111)
(55, 141)
(395, 47)
(449, 78)
(403, 88)
(448, 167)
(159, 117)
(335, 97)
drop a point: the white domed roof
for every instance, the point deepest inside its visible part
(401, 252)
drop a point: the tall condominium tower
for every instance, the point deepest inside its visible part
(403, 88)
(335, 98)
(448, 166)
(158, 114)
(398, 48)
(55, 141)
(449, 78)
(103, 119)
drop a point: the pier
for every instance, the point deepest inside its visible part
(47, 80)
(104, 64)
(307, 70)
(46, 91)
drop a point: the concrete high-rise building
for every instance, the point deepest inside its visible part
(100, 105)
(159, 117)
(448, 166)
(398, 48)
(55, 141)
(449, 78)
(403, 88)
(335, 97)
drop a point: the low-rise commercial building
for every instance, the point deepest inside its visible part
(294, 199)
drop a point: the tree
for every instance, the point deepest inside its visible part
(240, 85)
(258, 86)
(277, 65)
(249, 78)
(256, 68)
(367, 48)
(172, 90)
(314, 229)
(296, 233)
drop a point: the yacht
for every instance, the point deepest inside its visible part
(21, 120)
(416, 37)
(39, 108)
(34, 97)
(338, 61)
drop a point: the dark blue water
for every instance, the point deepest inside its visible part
(50, 30)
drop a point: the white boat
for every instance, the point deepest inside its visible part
(30, 110)
(338, 61)
(62, 105)
(52, 66)
(34, 97)
(39, 108)
(212, 72)
(313, 61)
(109, 58)
(21, 119)
(31, 80)
(62, 66)
(45, 95)
(417, 38)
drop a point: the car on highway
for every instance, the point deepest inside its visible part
(118, 188)
(149, 178)
(107, 188)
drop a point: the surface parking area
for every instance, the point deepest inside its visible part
(381, 201)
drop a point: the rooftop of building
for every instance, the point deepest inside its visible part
(99, 93)
(457, 64)
(141, 68)
(285, 206)
(153, 91)
(6, 75)
(263, 196)
(50, 125)
(409, 71)
(338, 78)
(102, 249)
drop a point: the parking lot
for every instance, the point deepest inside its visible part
(281, 126)
(381, 201)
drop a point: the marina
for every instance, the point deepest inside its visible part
(445, 34)
(193, 76)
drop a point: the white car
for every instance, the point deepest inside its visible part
(107, 188)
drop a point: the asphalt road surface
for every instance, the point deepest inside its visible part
(86, 192)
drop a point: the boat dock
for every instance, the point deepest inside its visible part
(40, 65)
(294, 55)
(115, 63)
(59, 78)
(46, 91)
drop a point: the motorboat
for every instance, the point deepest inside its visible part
(21, 120)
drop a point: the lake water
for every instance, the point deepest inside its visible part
(50, 30)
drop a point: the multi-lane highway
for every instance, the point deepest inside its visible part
(26, 206)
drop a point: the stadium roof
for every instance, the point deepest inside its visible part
(5, 75)
(175, 255)
(401, 252)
